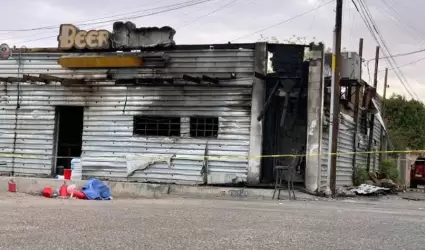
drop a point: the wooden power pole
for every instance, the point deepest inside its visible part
(335, 98)
(372, 118)
(384, 138)
(357, 104)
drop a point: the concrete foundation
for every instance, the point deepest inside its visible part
(148, 190)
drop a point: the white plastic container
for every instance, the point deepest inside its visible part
(77, 170)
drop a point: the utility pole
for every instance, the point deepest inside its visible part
(335, 98)
(357, 104)
(384, 138)
(372, 118)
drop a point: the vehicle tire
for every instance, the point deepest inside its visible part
(413, 184)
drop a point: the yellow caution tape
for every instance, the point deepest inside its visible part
(34, 156)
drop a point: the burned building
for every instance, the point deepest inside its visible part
(141, 108)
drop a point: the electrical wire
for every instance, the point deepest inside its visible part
(406, 23)
(197, 2)
(407, 64)
(284, 21)
(210, 13)
(367, 18)
(401, 54)
(78, 22)
(387, 52)
(89, 21)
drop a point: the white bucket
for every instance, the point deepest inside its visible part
(77, 170)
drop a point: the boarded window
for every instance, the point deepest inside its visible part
(203, 126)
(156, 126)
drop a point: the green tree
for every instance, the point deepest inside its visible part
(406, 122)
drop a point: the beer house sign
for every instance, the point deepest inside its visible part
(124, 36)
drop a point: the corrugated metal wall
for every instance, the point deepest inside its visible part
(108, 127)
(218, 63)
(375, 164)
(345, 147)
(345, 144)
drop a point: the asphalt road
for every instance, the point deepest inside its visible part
(28, 222)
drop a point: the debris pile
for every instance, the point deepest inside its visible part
(376, 185)
(93, 189)
(366, 189)
(382, 181)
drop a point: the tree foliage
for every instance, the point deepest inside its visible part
(406, 122)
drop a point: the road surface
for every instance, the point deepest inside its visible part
(29, 222)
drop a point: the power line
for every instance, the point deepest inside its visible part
(367, 18)
(407, 64)
(401, 54)
(400, 75)
(210, 13)
(89, 21)
(81, 21)
(374, 31)
(180, 6)
(132, 18)
(284, 21)
(407, 23)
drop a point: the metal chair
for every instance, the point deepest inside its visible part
(285, 173)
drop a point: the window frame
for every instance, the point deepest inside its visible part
(194, 133)
(157, 117)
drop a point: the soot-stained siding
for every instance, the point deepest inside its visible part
(108, 139)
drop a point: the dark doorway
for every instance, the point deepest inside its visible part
(285, 136)
(69, 136)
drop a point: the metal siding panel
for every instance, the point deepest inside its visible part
(345, 149)
(108, 132)
(377, 139)
(108, 135)
(218, 63)
(324, 158)
(34, 137)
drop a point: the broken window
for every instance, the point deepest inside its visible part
(203, 126)
(156, 126)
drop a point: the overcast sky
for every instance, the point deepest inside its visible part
(403, 31)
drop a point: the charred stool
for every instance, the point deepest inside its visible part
(285, 173)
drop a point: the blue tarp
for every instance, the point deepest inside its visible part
(95, 189)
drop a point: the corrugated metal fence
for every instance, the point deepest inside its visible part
(108, 139)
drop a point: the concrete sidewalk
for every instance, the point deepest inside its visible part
(149, 190)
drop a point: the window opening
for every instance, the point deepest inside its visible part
(156, 126)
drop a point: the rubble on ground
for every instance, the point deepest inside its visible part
(325, 191)
(345, 192)
(376, 185)
(366, 189)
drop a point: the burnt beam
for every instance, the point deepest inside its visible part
(46, 77)
(210, 79)
(192, 79)
(11, 79)
(137, 81)
(269, 100)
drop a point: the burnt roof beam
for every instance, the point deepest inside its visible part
(210, 79)
(192, 79)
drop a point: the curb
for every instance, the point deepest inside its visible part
(150, 190)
